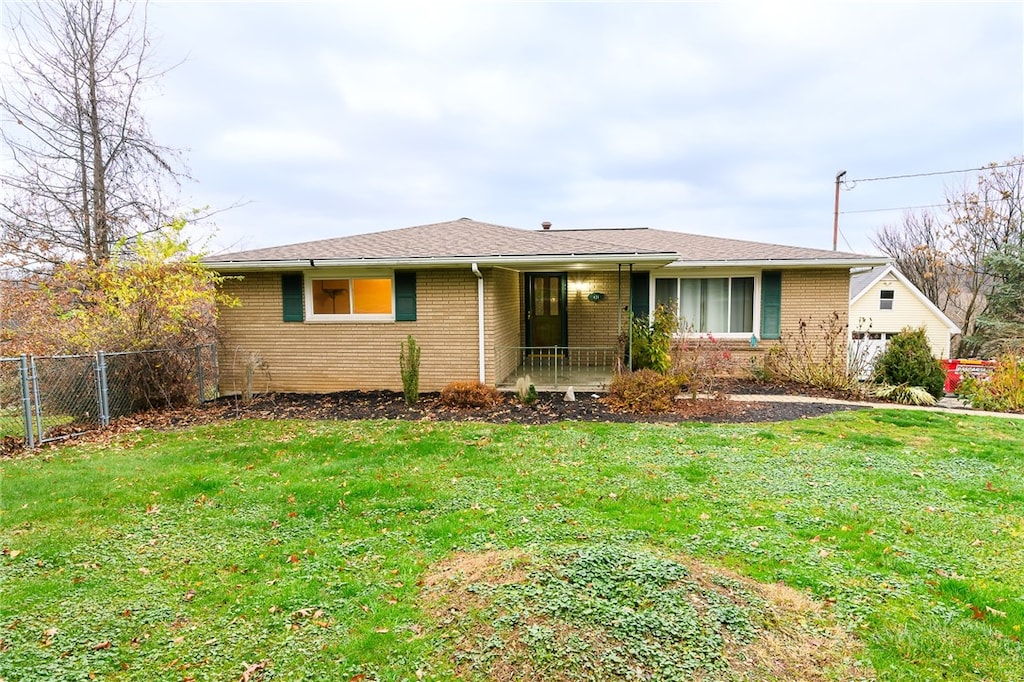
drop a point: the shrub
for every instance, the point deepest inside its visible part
(652, 340)
(818, 360)
(470, 394)
(525, 390)
(698, 362)
(409, 363)
(908, 361)
(642, 391)
(1003, 391)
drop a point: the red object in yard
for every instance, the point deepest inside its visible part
(956, 370)
(952, 378)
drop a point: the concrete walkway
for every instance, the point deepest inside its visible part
(947, 405)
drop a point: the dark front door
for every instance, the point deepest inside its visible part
(546, 321)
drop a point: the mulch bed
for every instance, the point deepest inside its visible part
(549, 408)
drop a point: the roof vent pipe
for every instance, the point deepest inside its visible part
(546, 225)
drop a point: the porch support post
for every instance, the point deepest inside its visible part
(618, 308)
(480, 318)
(629, 320)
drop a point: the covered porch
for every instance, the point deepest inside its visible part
(563, 327)
(556, 368)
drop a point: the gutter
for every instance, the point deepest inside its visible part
(784, 263)
(480, 317)
(503, 261)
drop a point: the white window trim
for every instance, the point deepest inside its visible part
(756, 323)
(345, 318)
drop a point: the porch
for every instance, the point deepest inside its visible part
(556, 368)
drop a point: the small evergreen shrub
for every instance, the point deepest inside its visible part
(642, 391)
(1003, 391)
(409, 363)
(908, 361)
(469, 394)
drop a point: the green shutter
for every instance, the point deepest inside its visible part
(771, 305)
(640, 294)
(291, 297)
(405, 296)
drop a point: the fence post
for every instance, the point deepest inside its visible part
(35, 399)
(101, 388)
(199, 373)
(26, 402)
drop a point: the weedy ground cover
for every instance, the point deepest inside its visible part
(418, 550)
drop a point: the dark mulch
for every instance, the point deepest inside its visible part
(549, 408)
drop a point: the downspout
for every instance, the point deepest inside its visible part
(480, 317)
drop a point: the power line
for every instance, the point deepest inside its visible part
(914, 208)
(896, 208)
(948, 172)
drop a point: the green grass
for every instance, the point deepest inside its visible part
(298, 549)
(12, 423)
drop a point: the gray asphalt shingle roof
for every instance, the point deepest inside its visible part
(467, 238)
(859, 281)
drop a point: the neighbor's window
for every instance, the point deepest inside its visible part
(720, 305)
(352, 296)
(885, 299)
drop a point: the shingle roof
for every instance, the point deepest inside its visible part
(471, 239)
(702, 248)
(859, 281)
(464, 238)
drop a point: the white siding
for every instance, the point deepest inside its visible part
(907, 311)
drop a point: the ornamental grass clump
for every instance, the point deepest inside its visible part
(526, 392)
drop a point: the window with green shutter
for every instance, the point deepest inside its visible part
(771, 305)
(291, 297)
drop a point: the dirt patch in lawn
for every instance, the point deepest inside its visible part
(600, 613)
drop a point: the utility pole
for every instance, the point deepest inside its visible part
(835, 221)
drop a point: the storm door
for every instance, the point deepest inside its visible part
(546, 321)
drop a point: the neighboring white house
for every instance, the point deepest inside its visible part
(883, 302)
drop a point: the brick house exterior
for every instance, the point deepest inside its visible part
(287, 333)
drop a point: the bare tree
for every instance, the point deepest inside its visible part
(82, 170)
(945, 257)
(918, 248)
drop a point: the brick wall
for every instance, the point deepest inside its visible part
(502, 320)
(316, 357)
(812, 296)
(595, 323)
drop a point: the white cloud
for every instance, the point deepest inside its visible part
(269, 145)
(725, 118)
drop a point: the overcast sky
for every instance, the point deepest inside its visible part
(727, 119)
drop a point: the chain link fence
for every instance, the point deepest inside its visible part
(43, 398)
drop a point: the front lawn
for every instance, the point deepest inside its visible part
(259, 550)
